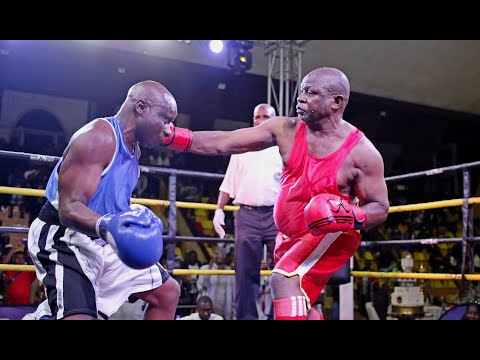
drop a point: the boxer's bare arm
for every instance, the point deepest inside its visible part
(238, 141)
(80, 174)
(369, 184)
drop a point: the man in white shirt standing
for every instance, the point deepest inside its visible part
(253, 181)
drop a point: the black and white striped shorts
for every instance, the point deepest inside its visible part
(82, 276)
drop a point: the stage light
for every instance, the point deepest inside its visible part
(216, 46)
(239, 57)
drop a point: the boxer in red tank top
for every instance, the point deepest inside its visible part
(328, 164)
(297, 252)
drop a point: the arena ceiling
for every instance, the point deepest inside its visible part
(439, 73)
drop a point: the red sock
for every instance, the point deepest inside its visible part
(314, 314)
(292, 308)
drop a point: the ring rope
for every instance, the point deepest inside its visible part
(145, 169)
(161, 170)
(192, 205)
(198, 238)
(373, 274)
(150, 202)
(431, 241)
(436, 171)
(212, 272)
(24, 230)
(424, 276)
(433, 205)
(11, 267)
(13, 230)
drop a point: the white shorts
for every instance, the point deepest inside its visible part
(84, 276)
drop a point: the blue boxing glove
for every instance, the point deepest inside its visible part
(135, 236)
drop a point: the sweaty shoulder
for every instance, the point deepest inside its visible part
(95, 141)
(103, 128)
(365, 155)
(283, 122)
(284, 130)
(282, 125)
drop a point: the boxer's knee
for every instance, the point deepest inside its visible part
(289, 302)
(283, 286)
(164, 296)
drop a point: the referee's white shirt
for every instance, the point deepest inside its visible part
(253, 178)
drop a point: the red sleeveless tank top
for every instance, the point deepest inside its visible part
(305, 176)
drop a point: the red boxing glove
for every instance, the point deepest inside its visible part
(180, 139)
(327, 213)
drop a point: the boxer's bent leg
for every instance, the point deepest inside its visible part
(304, 265)
(153, 285)
(288, 300)
(162, 301)
(336, 255)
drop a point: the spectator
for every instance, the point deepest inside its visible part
(192, 263)
(220, 288)
(18, 283)
(204, 310)
(473, 312)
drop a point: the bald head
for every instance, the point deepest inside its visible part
(330, 79)
(146, 112)
(262, 112)
(153, 93)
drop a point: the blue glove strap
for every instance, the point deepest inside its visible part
(101, 224)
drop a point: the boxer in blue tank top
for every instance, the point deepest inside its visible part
(91, 248)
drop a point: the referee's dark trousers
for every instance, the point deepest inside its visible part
(254, 228)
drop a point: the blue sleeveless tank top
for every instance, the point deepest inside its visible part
(118, 180)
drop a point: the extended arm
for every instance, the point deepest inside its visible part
(232, 142)
(225, 142)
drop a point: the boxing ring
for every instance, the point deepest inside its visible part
(346, 289)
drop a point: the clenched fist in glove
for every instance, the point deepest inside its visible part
(218, 221)
(180, 139)
(330, 213)
(135, 235)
